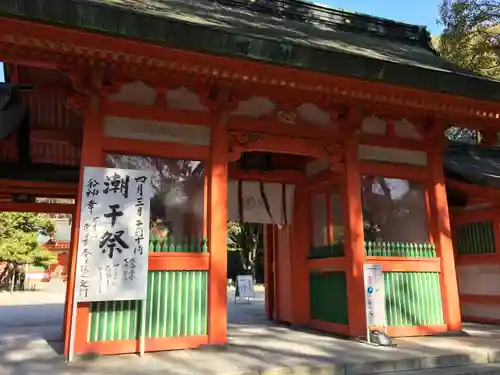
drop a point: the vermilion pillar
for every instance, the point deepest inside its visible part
(217, 237)
(442, 236)
(92, 155)
(301, 241)
(354, 237)
(269, 269)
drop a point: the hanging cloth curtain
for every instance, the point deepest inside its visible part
(266, 201)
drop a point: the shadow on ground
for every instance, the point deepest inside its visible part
(255, 345)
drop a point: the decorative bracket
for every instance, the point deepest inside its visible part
(87, 84)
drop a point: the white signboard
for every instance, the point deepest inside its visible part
(374, 295)
(112, 261)
(245, 286)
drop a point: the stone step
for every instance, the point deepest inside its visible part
(484, 369)
(419, 364)
(459, 364)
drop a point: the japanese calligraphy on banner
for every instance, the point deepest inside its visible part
(112, 261)
(374, 295)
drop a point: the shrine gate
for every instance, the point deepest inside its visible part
(346, 111)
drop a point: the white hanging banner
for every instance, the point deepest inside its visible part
(374, 295)
(254, 197)
(112, 259)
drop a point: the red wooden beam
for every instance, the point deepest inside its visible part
(274, 127)
(488, 193)
(393, 142)
(127, 146)
(37, 207)
(38, 188)
(322, 179)
(153, 113)
(280, 176)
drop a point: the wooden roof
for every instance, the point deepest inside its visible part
(473, 164)
(289, 33)
(54, 130)
(41, 159)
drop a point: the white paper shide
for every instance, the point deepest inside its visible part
(112, 261)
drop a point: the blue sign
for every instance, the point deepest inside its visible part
(370, 290)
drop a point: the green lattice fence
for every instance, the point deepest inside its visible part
(413, 298)
(176, 305)
(169, 244)
(400, 249)
(328, 297)
(475, 238)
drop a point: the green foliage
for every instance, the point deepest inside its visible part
(18, 238)
(471, 39)
(471, 36)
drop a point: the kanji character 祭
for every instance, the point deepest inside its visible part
(112, 241)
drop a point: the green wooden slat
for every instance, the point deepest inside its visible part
(398, 298)
(204, 307)
(102, 319)
(129, 324)
(413, 298)
(92, 323)
(118, 334)
(170, 305)
(490, 237)
(149, 303)
(182, 304)
(475, 238)
(162, 302)
(176, 305)
(178, 301)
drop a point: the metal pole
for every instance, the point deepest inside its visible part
(71, 352)
(366, 307)
(142, 333)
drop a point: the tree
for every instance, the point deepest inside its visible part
(246, 238)
(18, 241)
(471, 35)
(470, 39)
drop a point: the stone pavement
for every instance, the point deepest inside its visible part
(257, 347)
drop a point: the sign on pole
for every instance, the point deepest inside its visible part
(112, 260)
(244, 283)
(374, 297)
(113, 240)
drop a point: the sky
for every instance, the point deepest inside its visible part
(421, 12)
